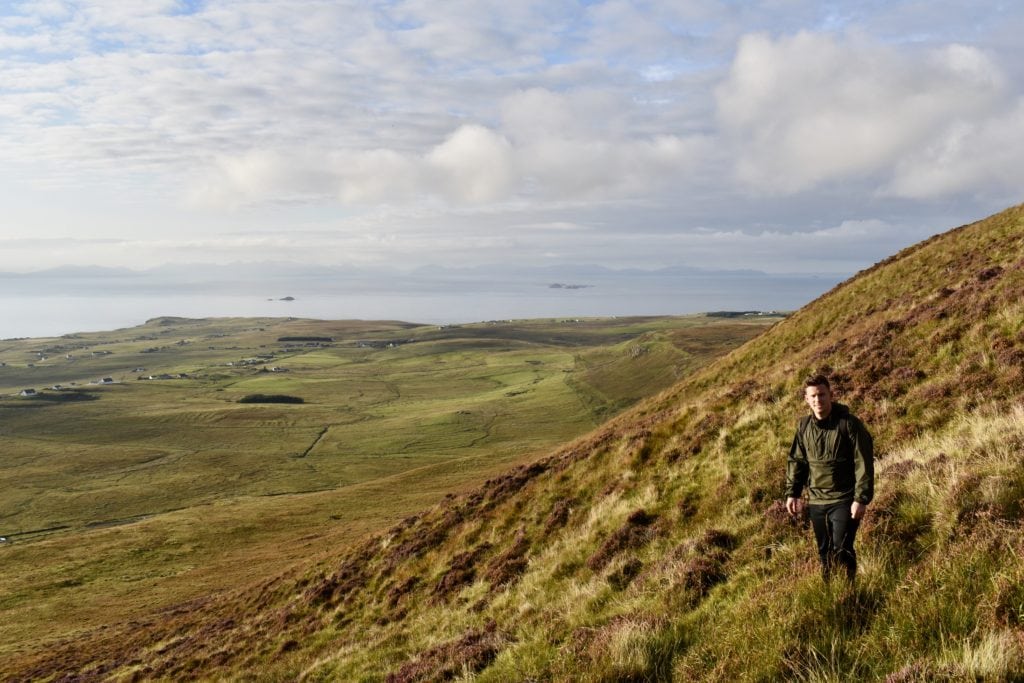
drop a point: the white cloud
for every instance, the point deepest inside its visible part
(552, 226)
(815, 108)
(984, 157)
(580, 144)
(539, 113)
(474, 164)
(46, 8)
(378, 175)
(570, 149)
(459, 130)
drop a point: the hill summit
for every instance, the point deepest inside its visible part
(656, 548)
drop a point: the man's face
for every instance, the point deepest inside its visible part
(819, 398)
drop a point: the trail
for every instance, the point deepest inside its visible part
(487, 427)
(315, 442)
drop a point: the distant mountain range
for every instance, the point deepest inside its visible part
(306, 278)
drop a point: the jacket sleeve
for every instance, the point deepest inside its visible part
(797, 468)
(863, 463)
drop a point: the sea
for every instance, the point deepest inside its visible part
(45, 314)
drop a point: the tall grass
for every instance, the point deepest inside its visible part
(656, 548)
(729, 595)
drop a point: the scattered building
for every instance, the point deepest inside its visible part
(28, 392)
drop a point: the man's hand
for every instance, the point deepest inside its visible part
(858, 509)
(794, 505)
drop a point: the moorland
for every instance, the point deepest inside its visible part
(163, 463)
(656, 546)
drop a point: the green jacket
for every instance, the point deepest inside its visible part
(833, 458)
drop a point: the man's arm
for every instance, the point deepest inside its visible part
(797, 471)
(864, 469)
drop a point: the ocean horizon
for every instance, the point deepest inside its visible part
(51, 308)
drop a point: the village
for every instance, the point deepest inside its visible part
(31, 392)
(78, 351)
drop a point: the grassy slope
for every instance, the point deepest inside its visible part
(656, 548)
(168, 490)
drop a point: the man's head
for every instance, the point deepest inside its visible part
(818, 395)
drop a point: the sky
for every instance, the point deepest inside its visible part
(784, 136)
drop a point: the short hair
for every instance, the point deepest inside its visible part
(817, 381)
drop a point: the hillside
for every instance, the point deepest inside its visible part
(655, 548)
(177, 478)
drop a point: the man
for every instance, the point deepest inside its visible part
(832, 456)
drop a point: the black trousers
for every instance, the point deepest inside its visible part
(835, 530)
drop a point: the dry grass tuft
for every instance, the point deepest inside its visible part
(638, 530)
(470, 653)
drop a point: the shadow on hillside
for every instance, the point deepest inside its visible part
(856, 607)
(831, 616)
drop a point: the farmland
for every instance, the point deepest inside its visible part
(144, 480)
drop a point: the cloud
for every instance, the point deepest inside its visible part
(467, 130)
(376, 176)
(548, 146)
(810, 109)
(237, 103)
(794, 113)
(984, 157)
(474, 164)
(581, 144)
(469, 34)
(259, 176)
(552, 226)
(844, 248)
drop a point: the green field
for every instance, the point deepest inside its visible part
(119, 498)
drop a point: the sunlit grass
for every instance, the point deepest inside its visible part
(166, 489)
(656, 548)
